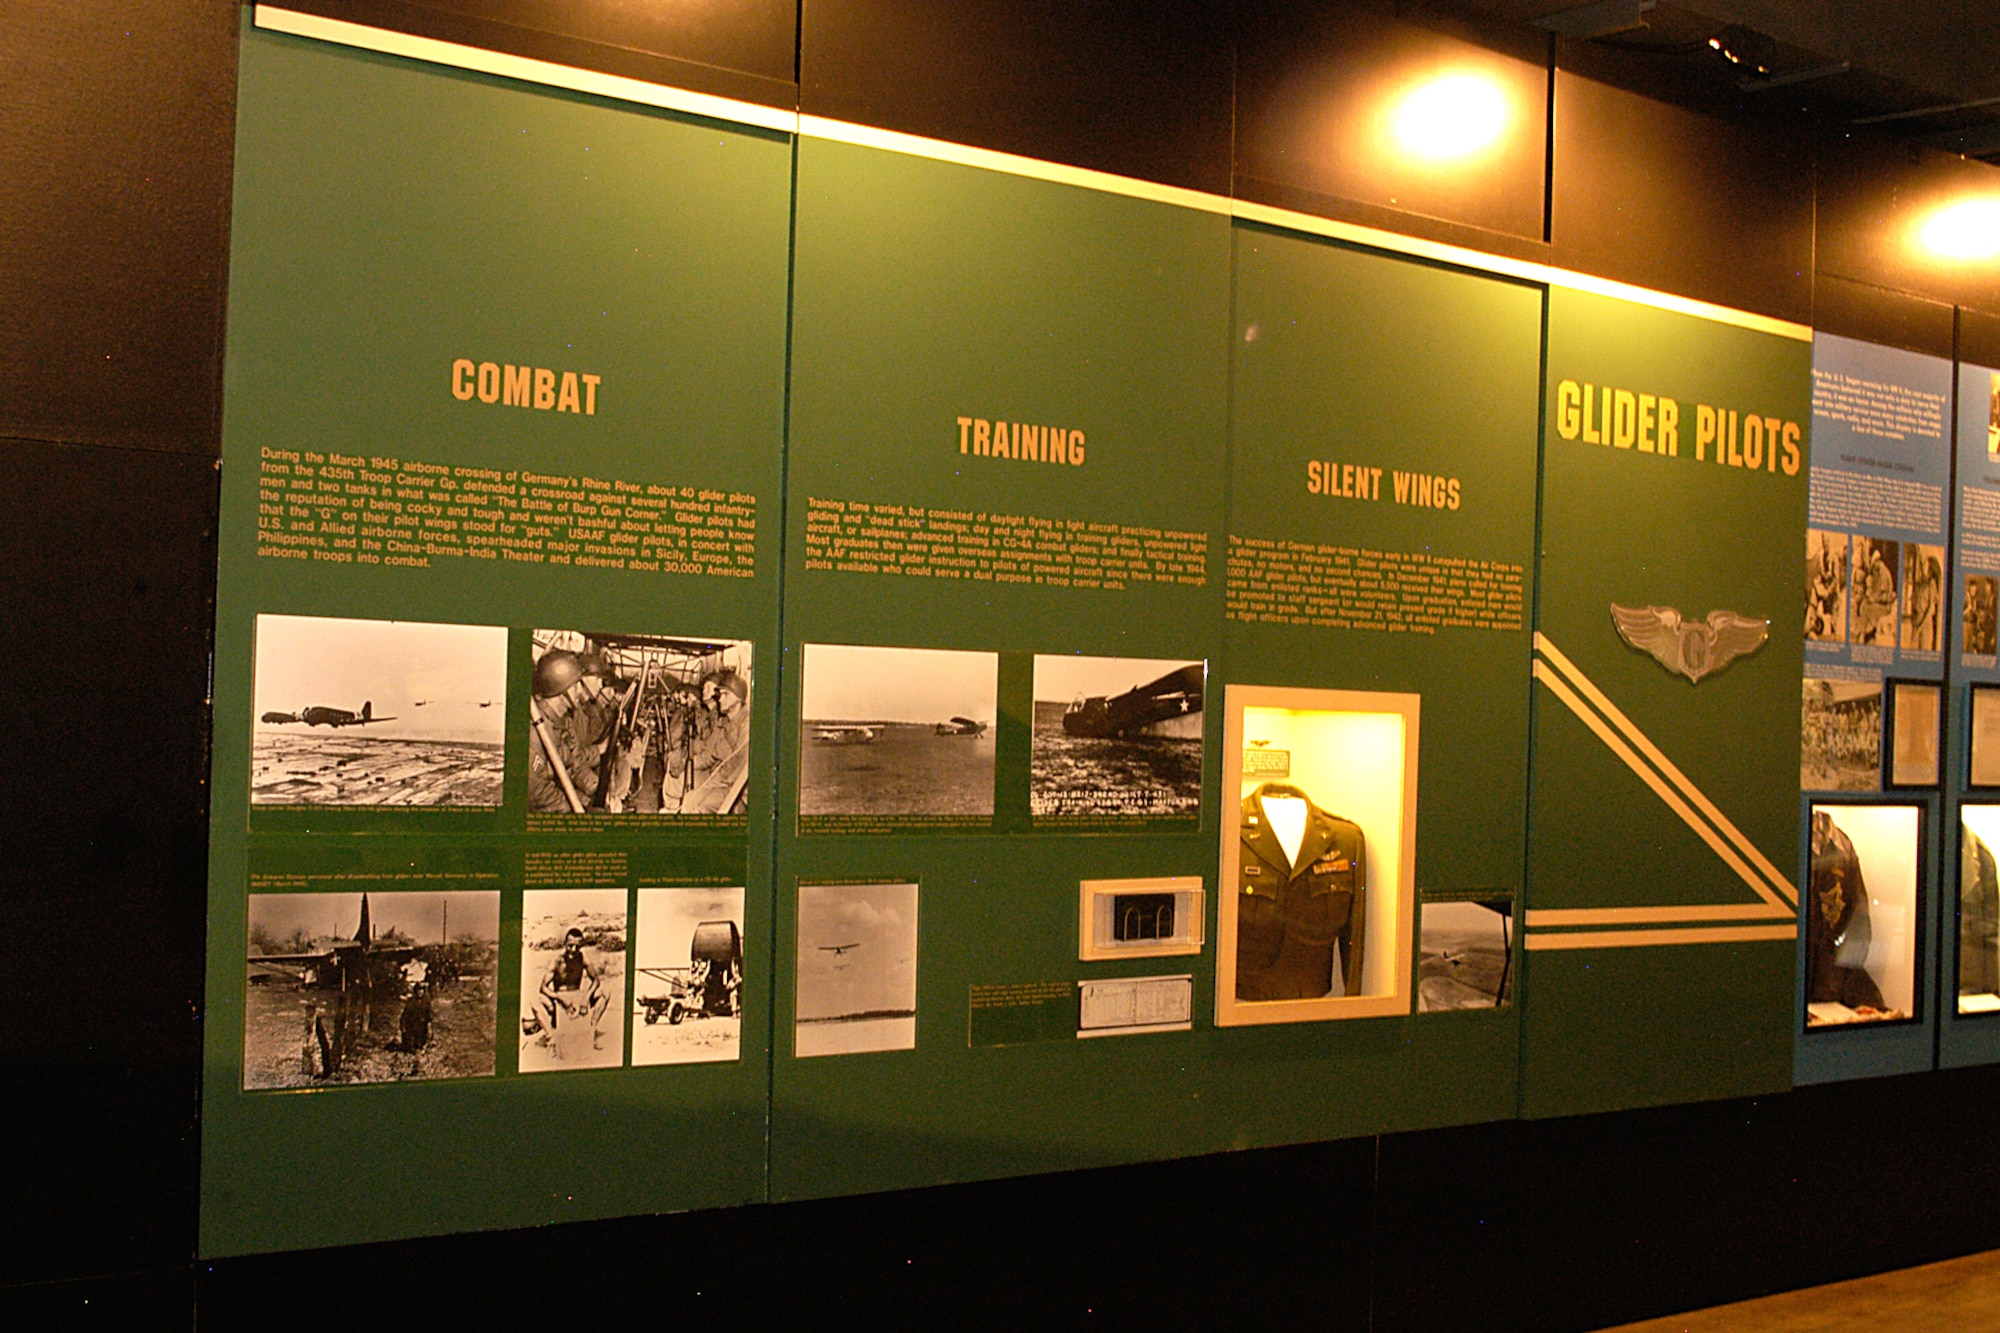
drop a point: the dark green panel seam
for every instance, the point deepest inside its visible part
(1520, 942)
(780, 676)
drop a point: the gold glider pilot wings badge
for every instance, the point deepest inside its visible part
(1691, 648)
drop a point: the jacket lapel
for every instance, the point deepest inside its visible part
(1260, 840)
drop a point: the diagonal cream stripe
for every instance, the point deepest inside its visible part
(1547, 675)
(1525, 269)
(543, 72)
(1665, 765)
(1634, 939)
(988, 159)
(1639, 916)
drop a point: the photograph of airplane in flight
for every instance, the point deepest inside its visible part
(377, 712)
(857, 969)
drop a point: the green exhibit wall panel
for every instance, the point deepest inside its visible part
(504, 412)
(1381, 538)
(1005, 482)
(1662, 920)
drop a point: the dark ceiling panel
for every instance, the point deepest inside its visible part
(1892, 319)
(1979, 338)
(1319, 93)
(1875, 196)
(1680, 202)
(745, 49)
(116, 124)
(1134, 88)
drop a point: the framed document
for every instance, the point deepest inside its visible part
(1913, 724)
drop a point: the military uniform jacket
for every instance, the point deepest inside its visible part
(1290, 916)
(1978, 917)
(1837, 928)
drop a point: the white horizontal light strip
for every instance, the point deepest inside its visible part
(819, 127)
(1638, 939)
(1631, 732)
(543, 72)
(1542, 918)
(1525, 269)
(1546, 673)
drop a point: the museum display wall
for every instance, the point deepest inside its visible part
(717, 606)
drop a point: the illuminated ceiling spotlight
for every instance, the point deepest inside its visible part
(1451, 117)
(1968, 229)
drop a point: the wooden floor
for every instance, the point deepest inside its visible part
(1958, 1294)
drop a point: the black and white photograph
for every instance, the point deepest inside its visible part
(378, 712)
(1826, 586)
(1982, 625)
(897, 731)
(638, 724)
(1983, 759)
(572, 979)
(1875, 582)
(857, 969)
(369, 988)
(1116, 737)
(1840, 735)
(687, 976)
(1913, 723)
(1923, 596)
(1464, 955)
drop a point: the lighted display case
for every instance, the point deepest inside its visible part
(1861, 914)
(1978, 910)
(1318, 855)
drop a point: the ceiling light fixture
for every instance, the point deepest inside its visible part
(1451, 117)
(1968, 229)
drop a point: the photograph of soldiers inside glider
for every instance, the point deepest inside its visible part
(638, 724)
(369, 988)
(337, 721)
(1116, 737)
(896, 731)
(687, 976)
(572, 979)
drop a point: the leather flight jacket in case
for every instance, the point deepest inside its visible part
(1289, 916)
(1837, 928)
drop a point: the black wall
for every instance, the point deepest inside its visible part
(115, 134)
